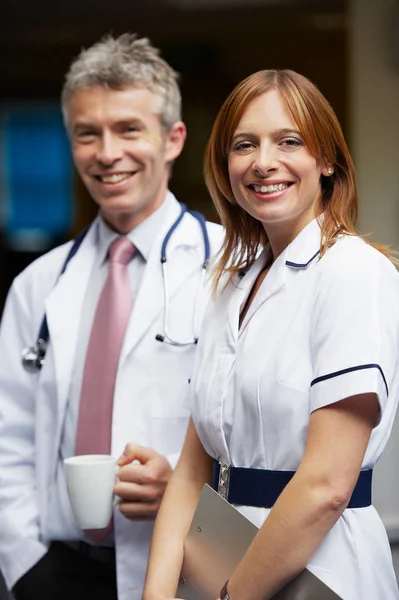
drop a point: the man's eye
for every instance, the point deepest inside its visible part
(85, 134)
(131, 129)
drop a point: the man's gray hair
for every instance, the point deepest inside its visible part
(124, 61)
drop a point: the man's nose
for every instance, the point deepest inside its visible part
(109, 150)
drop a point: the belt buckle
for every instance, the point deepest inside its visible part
(224, 480)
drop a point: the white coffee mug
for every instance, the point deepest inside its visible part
(90, 481)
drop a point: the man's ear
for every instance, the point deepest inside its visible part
(176, 136)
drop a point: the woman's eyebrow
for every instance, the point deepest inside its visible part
(243, 134)
(274, 133)
(286, 131)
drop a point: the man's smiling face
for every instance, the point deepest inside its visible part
(121, 151)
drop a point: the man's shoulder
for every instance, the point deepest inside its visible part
(46, 266)
(50, 264)
(215, 228)
(192, 231)
(215, 232)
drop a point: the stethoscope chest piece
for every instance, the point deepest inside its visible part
(33, 357)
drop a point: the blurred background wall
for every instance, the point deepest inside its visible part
(349, 48)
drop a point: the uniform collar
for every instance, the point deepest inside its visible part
(302, 251)
(305, 248)
(142, 236)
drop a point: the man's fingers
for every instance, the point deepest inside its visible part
(135, 452)
(135, 474)
(137, 493)
(144, 511)
(157, 471)
(141, 485)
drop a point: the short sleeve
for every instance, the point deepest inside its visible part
(355, 333)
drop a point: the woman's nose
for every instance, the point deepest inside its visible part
(265, 162)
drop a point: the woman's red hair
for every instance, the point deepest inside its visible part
(322, 135)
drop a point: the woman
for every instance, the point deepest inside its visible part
(297, 362)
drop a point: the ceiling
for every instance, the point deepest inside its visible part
(69, 21)
(39, 39)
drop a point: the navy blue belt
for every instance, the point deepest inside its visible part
(261, 488)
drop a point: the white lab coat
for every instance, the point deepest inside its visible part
(150, 404)
(317, 331)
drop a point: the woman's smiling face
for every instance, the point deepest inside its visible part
(272, 174)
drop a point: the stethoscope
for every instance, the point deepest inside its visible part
(33, 357)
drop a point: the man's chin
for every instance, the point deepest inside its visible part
(115, 205)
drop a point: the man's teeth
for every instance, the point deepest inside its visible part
(115, 178)
(266, 189)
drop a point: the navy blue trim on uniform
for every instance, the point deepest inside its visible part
(261, 487)
(299, 265)
(344, 371)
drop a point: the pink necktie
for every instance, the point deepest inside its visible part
(102, 359)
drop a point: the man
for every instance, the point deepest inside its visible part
(121, 105)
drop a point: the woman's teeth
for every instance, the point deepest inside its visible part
(267, 189)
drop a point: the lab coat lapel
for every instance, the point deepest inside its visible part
(184, 259)
(273, 282)
(63, 310)
(236, 295)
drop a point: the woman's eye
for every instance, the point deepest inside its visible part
(291, 143)
(242, 146)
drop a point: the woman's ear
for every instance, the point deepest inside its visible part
(327, 171)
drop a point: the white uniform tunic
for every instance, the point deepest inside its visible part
(318, 331)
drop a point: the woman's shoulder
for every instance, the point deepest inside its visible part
(354, 276)
(351, 255)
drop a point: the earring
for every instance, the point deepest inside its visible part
(330, 170)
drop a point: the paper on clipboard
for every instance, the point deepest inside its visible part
(219, 536)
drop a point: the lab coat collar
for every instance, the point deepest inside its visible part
(302, 251)
(305, 248)
(142, 236)
(299, 254)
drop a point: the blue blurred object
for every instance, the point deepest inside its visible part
(37, 195)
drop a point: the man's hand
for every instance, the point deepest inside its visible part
(143, 476)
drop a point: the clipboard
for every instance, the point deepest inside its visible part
(218, 537)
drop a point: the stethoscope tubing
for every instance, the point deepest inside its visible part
(167, 337)
(33, 357)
